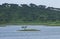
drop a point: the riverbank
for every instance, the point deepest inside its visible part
(35, 23)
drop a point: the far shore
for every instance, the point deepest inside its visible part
(44, 24)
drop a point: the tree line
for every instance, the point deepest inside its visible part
(28, 13)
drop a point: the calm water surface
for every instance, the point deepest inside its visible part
(47, 32)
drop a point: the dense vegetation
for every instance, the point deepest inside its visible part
(32, 13)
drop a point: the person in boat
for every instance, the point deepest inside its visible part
(24, 27)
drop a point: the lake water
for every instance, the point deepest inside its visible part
(47, 32)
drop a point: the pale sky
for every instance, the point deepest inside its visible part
(51, 3)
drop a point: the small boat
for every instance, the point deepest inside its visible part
(25, 29)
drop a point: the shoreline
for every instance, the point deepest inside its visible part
(32, 23)
(23, 24)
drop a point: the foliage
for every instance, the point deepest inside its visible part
(13, 13)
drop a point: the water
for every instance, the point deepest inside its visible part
(47, 32)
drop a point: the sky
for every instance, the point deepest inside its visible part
(50, 3)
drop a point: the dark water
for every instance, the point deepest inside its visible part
(47, 32)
